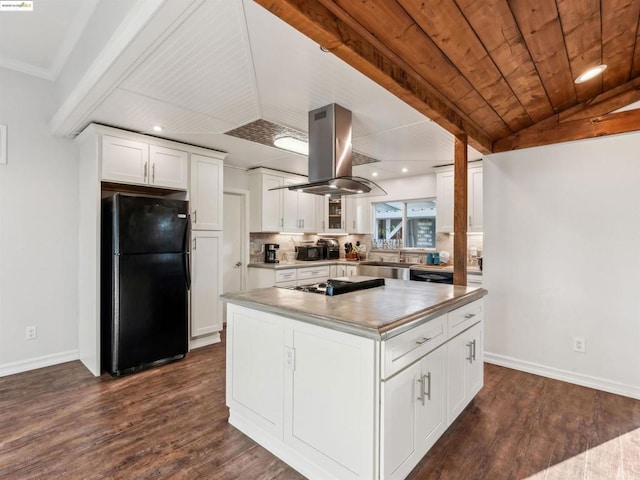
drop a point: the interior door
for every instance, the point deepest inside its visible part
(233, 268)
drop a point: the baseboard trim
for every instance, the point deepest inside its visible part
(564, 375)
(38, 362)
(205, 340)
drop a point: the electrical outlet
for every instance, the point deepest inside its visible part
(579, 345)
(31, 333)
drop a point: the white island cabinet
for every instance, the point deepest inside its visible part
(341, 405)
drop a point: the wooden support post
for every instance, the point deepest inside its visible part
(460, 211)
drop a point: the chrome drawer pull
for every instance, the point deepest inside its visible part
(424, 340)
(469, 315)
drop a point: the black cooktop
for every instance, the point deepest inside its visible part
(338, 287)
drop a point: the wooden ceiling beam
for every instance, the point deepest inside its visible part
(609, 124)
(604, 103)
(321, 25)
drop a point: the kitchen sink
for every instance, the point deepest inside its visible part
(397, 270)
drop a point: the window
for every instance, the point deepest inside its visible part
(409, 224)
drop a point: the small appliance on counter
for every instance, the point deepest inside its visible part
(331, 248)
(270, 251)
(310, 252)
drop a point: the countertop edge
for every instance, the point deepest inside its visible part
(388, 331)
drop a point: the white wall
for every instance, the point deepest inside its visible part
(235, 178)
(408, 188)
(38, 230)
(562, 260)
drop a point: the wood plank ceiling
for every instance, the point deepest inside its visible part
(500, 71)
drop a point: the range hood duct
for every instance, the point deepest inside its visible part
(330, 156)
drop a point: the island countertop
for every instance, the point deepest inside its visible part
(378, 313)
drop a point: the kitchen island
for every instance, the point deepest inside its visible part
(355, 386)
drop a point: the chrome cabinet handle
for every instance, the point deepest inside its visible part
(428, 383)
(153, 173)
(145, 170)
(424, 340)
(469, 315)
(195, 216)
(238, 264)
(470, 220)
(194, 243)
(421, 383)
(473, 350)
(470, 357)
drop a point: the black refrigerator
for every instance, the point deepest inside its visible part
(145, 280)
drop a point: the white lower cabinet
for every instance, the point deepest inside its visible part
(255, 384)
(465, 360)
(329, 400)
(206, 282)
(320, 400)
(413, 413)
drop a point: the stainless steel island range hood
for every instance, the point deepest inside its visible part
(330, 156)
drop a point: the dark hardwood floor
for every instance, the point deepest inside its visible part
(171, 423)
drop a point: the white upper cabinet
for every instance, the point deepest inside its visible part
(206, 192)
(138, 163)
(358, 215)
(444, 205)
(474, 187)
(265, 204)
(125, 161)
(169, 168)
(280, 210)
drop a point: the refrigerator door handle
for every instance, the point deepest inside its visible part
(187, 270)
(187, 242)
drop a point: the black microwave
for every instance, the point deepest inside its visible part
(306, 252)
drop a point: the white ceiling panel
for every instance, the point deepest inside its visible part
(139, 113)
(205, 66)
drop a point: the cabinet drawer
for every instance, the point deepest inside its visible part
(464, 317)
(406, 348)
(285, 275)
(313, 272)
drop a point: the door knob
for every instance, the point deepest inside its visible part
(238, 264)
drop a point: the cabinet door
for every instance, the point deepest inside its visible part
(329, 399)
(444, 205)
(475, 199)
(358, 215)
(351, 271)
(255, 359)
(465, 369)
(399, 438)
(290, 219)
(271, 213)
(474, 378)
(169, 168)
(124, 161)
(307, 208)
(432, 412)
(341, 270)
(206, 283)
(206, 193)
(335, 215)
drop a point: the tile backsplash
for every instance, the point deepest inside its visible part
(288, 242)
(444, 242)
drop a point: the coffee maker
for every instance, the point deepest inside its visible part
(270, 250)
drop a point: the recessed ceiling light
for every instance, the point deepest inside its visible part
(292, 144)
(405, 170)
(590, 73)
(374, 174)
(157, 128)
